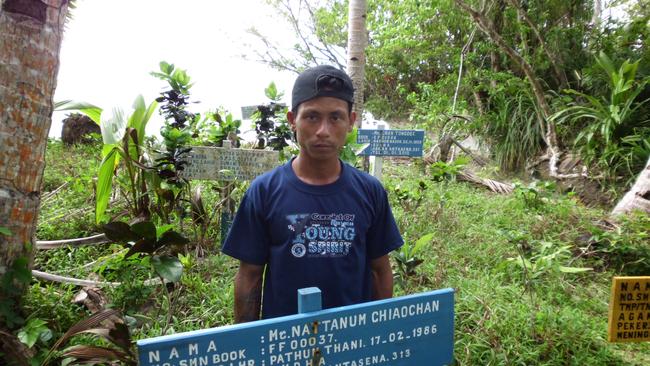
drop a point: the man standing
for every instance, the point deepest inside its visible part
(315, 221)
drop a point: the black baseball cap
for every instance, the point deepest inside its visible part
(322, 81)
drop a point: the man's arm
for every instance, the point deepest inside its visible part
(382, 278)
(248, 292)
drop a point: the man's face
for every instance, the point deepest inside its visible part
(321, 125)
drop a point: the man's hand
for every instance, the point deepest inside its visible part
(382, 278)
(248, 292)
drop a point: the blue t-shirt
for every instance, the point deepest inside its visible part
(313, 236)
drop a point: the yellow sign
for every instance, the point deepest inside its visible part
(629, 310)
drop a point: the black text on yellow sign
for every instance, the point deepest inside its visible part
(629, 310)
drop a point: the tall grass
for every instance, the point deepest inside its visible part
(513, 129)
(505, 315)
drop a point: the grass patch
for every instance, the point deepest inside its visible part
(505, 314)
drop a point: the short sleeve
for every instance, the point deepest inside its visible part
(248, 239)
(383, 235)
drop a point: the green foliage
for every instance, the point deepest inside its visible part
(442, 171)
(123, 142)
(503, 317)
(539, 257)
(270, 121)
(330, 24)
(407, 258)
(92, 111)
(133, 293)
(217, 127)
(625, 247)
(613, 137)
(51, 302)
(348, 152)
(5, 231)
(512, 127)
(147, 239)
(272, 92)
(69, 178)
(13, 280)
(177, 79)
(535, 195)
(409, 195)
(35, 330)
(177, 130)
(432, 106)
(169, 268)
(433, 47)
(494, 323)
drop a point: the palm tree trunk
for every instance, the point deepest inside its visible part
(30, 40)
(357, 41)
(638, 197)
(596, 20)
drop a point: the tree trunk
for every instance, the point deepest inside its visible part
(30, 40)
(596, 19)
(638, 197)
(357, 41)
(555, 60)
(498, 25)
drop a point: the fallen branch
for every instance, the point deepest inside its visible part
(480, 161)
(49, 195)
(64, 213)
(493, 185)
(537, 162)
(91, 240)
(71, 280)
(100, 261)
(86, 283)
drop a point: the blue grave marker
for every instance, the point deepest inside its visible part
(411, 330)
(391, 142)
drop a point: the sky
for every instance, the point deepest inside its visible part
(110, 47)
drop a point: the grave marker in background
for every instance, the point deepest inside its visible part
(411, 330)
(391, 142)
(629, 310)
(226, 164)
(223, 163)
(247, 111)
(383, 142)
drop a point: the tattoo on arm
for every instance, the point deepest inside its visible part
(248, 304)
(248, 293)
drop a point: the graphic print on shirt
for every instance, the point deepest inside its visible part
(321, 235)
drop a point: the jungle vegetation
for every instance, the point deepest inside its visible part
(530, 258)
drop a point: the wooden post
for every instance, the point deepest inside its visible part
(377, 162)
(309, 300)
(227, 212)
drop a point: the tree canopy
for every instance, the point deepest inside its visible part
(505, 66)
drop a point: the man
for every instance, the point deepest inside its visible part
(315, 221)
